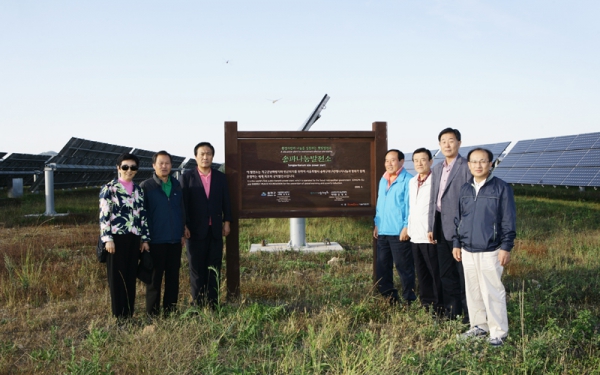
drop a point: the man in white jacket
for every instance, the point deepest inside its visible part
(424, 252)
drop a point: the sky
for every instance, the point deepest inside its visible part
(167, 75)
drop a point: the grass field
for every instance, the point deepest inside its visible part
(296, 314)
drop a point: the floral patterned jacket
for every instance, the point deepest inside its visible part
(121, 213)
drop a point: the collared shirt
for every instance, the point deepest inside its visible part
(421, 182)
(391, 177)
(478, 185)
(447, 168)
(166, 186)
(206, 183)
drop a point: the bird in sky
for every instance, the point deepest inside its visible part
(275, 101)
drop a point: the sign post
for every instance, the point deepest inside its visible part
(290, 174)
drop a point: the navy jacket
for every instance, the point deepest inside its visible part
(166, 215)
(487, 221)
(199, 208)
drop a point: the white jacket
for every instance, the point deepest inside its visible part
(418, 214)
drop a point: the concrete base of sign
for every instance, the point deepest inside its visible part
(312, 247)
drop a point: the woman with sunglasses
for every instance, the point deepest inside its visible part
(123, 226)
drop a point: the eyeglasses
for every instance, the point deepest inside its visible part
(126, 167)
(479, 161)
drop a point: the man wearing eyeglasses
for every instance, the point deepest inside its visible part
(208, 215)
(446, 180)
(485, 235)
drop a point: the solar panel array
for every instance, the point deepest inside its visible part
(558, 161)
(88, 163)
(25, 166)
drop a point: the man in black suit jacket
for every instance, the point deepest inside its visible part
(446, 180)
(208, 216)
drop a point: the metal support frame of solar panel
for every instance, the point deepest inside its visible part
(2, 155)
(25, 166)
(496, 148)
(572, 160)
(408, 162)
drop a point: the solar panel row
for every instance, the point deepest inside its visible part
(568, 176)
(83, 163)
(25, 166)
(572, 160)
(566, 143)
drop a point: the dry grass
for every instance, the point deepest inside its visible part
(297, 314)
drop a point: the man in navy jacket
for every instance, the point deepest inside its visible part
(163, 200)
(485, 233)
(208, 216)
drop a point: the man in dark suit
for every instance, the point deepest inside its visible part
(446, 180)
(208, 216)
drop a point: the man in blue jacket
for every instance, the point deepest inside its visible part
(391, 230)
(163, 200)
(485, 235)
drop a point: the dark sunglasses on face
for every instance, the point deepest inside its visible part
(126, 167)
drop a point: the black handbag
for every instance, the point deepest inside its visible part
(101, 252)
(145, 267)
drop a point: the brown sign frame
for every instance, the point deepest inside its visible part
(377, 139)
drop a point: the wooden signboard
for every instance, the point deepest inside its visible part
(300, 174)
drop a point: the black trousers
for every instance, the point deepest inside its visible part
(121, 268)
(428, 272)
(166, 258)
(393, 252)
(205, 258)
(451, 275)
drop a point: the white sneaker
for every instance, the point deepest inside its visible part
(497, 341)
(474, 332)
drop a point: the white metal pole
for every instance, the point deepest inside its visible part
(297, 232)
(49, 177)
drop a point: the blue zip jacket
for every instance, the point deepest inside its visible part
(166, 215)
(391, 212)
(486, 221)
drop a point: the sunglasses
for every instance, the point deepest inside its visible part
(126, 167)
